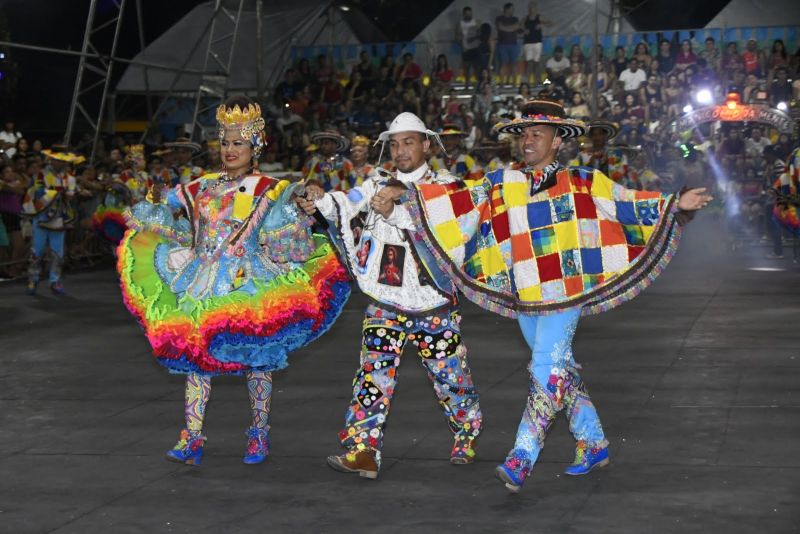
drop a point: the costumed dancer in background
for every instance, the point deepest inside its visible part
(787, 199)
(183, 151)
(233, 289)
(408, 305)
(127, 189)
(327, 166)
(612, 162)
(454, 160)
(213, 160)
(547, 244)
(504, 159)
(47, 202)
(359, 150)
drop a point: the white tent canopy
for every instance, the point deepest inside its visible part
(567, 17)
(747, 13)
(284, 24)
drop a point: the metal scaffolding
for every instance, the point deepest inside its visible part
(94, 71)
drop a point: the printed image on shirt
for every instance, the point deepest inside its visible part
(391, 271)
(363, 253)
(357, 226)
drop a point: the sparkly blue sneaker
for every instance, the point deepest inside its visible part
(257, 445)
(514, 470)
(189, 449)
(57, 288)
(587, 459)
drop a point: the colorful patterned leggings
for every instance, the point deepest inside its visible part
(438, 340)
(555, 386)
(44, 239)
(198, 390)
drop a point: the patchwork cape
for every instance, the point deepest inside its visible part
(580, 240)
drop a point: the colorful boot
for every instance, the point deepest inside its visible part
(366, 462)
(587, 458)
(189, 449)
(514, 470)
(463, 451)
(30, 289)
(57, 288)
(257, 445)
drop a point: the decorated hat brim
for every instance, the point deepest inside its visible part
(447, 133)
(340, 140)
(609, 128)
(194, 147)
(69, 157)
(567, 128)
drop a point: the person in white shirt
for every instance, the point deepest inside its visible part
(409, 303)
(633, 77)
(8, 139)
(467, 35)
(557, 67)
(755, 145)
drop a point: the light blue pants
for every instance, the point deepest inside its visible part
(555, 386)
(42, 240)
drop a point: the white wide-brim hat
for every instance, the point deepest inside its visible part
(405, 122)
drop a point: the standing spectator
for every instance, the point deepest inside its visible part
(642, 55)
(366, 70)
(780, 90)
(557, 67)
(8, 138)
(443, 72)
(686, 56)
(632, 77)
(507, 47)
(324, 72)
(753, 59)
(13, 186)
(532, 43)
(468, 34)
(486, 46)
(710, 53)
(666, 60)
(620, 62)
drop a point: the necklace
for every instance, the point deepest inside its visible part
(224, 179)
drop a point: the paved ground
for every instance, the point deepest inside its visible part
(697, 382)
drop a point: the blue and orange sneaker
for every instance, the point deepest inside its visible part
(587, 458)
(189, 449)
(514, 470)
(257, 445)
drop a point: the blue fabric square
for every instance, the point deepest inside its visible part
(563, 207)
(647, 211)
(633, 234)
(591, 260)
(471, 246)
(539, 214)
(626, 213)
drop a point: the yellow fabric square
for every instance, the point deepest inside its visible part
(567, 235)
(449, 234)
(530, 294)
(242, 205)
(492, 260)
(647, 232)
(602, 186)
(516, 194)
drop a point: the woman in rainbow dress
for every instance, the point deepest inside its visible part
(235, 286)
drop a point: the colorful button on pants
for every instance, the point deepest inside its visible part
(555, 386)
(438, 341)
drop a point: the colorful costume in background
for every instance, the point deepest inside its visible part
(546, 247)
(366, 171)
(610, 161)
(129, 188)
(458, 164)
(232, 290)
(47, 202)
(407, 307)
(787, 204)
(335, 173)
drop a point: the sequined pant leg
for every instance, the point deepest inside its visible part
(259, 387)
(373, 386)
(198, 390)
(555, 385)
(38, 250)
(438, 341)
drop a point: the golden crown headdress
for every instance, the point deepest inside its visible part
(134, 150)
(360, 140)
(247, 120)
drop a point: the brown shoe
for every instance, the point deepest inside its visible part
(463, 450)
(364, 462)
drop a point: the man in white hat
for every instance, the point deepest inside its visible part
(410, 304)
(328, 166)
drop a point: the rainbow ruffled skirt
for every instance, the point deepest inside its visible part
(109, 223)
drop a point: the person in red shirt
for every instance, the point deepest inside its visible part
(409, 70)
(443, 72)
(753, 59)
(686, 56)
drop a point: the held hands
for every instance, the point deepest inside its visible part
(383, 201)
(694, 199)
(313, 193)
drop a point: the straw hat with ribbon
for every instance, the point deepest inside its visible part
(544, 112)
(339, 139)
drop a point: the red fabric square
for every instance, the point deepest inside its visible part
(584, 206)
(573, 285)
(462, 202)
(500, 226)
(611, 233)
(633, 252)
(549, 267)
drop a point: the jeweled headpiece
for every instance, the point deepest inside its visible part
(360, 140)
(248, 121)
(134, 151)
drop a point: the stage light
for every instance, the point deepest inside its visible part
(732, 100)
(704, 97)
(782, 106)
(688, 108)
(344, 8)
(2, 55)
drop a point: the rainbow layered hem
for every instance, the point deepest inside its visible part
(109, 223)
(237, 332)
(787, 217)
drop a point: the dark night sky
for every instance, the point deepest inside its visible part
(45, 81)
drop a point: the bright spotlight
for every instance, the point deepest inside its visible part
(782, 106)
(344, 8)
(688, 108)
(704, 97)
